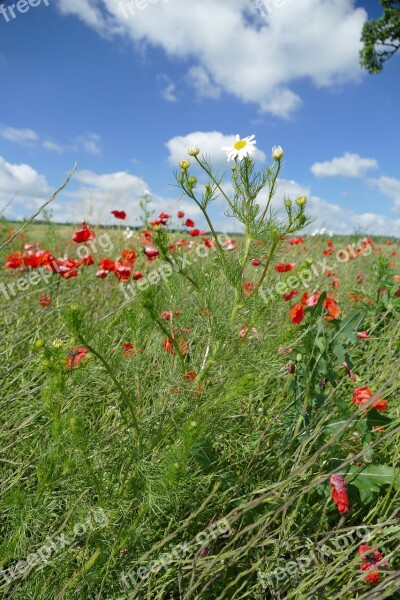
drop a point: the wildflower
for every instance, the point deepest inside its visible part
(310, 300)
(44, 299)
(249, 287)
(14, 261)
(360, 278)
(194, 232)
(151, 252)
(277, 153)
(184, 165)
(253, 332)
(107, 264)
(128, 233)
(241, 148)
(84, 234)
(301, 201)
(289, 295)
(297, 241)
(194, 151)
(119, 214)
(284, 267)
(128, 350)
(363, 395)
(67, 268)
(297, 314)
(167, 315)
(123, 270)
(168, 346)
(372, 559)
(333, 309)
(180, 214)
(339, 492)
(57, 343)
(75, 356)
(102, 273)
(255, 262)
(87, 261)
(189, 223)
(129, 255)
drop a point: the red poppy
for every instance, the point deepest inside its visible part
(189, 223)
(180, 214)
(107, 264)
(14, 261)
(36, 259)
(339, 492)
(328, 251)
(151, 252)
(297, 314)
(284, 267)
(44, 299)
(190, 376)
(310, 300)
(129, 255)
(332, 308)
(168, 345)
(164, 218)
(363, 395)
(128, 350)
(84, 234)
(255, 262)
(289, 295)
(102, 273)
(249, 287)
(230, 244)
(167, 315)
(67, 267)
(156, 223)
(360, 278)
(194, 232)
(208, 242)
(119, 214)
(137, 275)
(87, 260)
(75, 356)
(296, 241)
(123, 270)
(373, 559)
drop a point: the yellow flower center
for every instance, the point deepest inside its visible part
(240, 144)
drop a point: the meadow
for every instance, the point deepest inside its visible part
(189, 415)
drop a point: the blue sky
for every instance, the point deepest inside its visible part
(125, 97)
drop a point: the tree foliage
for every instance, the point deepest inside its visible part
(381, 37)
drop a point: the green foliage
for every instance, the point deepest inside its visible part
(381, 37)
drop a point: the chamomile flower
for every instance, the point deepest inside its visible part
(128, 233)
(241, 148)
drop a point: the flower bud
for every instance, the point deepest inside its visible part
(192, 181)
(184, 164)
(277, 153)
(288, 203)
(194, 151)
(301, 201)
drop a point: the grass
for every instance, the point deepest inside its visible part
(74, 464)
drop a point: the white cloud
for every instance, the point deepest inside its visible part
(19, 136)
(25, 183)
(167, 88)
(200, 80)
(52, 146)
(348, 165)
(89, 142)
(209, 142)
(255, 58)
(389, 186)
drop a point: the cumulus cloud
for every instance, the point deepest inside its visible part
(200, 80)
(209, 142)
(389, 186)
(22, 181)
(348, 165)
(257, 58)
